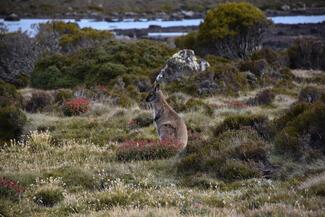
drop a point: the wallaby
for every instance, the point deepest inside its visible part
(170, 126)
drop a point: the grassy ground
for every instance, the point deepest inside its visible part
(71, 169)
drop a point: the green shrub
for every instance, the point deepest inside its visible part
(9, 94)
(22, 81)
(231, 25)
(302, 132)
(48, 196)
(307, 53)
(294, 111)
(257, 122)
(100, 65)
(232, 155)
(237, 170)
(276, 59)
(12, 122)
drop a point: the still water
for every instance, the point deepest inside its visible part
(29, 25)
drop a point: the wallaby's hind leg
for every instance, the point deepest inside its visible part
(167, 132)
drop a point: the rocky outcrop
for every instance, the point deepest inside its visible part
(181, 65)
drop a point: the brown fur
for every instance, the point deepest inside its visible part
(170, 126)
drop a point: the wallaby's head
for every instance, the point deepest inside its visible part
(154, 94)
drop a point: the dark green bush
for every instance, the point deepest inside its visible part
(12, 119)
(276, 59)
(258, 122)
(100, 65)
(9, 94)
(48, 196)
(232, 155)
(302, 131)
(237, 170)
(307, 53)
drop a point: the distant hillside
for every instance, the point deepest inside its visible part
(93, 8)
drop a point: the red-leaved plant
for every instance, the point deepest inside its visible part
(76, 106)
(10, 188)
(147, 149)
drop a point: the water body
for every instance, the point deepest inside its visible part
(29, 25)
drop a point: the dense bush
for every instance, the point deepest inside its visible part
(277, 59)
(146, 150)
(76, 106)
(307, 53)
(12, 119)
(258, 122)
(232, 155)
(301, 131)
(9, 94)
(100, 65)
(17, 56)
(232, 30)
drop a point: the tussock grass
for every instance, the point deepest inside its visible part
(70, 164)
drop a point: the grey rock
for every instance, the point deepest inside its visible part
(181, 65)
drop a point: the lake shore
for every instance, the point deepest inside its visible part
(178, 15)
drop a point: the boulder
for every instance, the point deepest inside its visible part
(181, 65)
(12, 17)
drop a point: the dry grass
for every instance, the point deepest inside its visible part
(71, 157)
